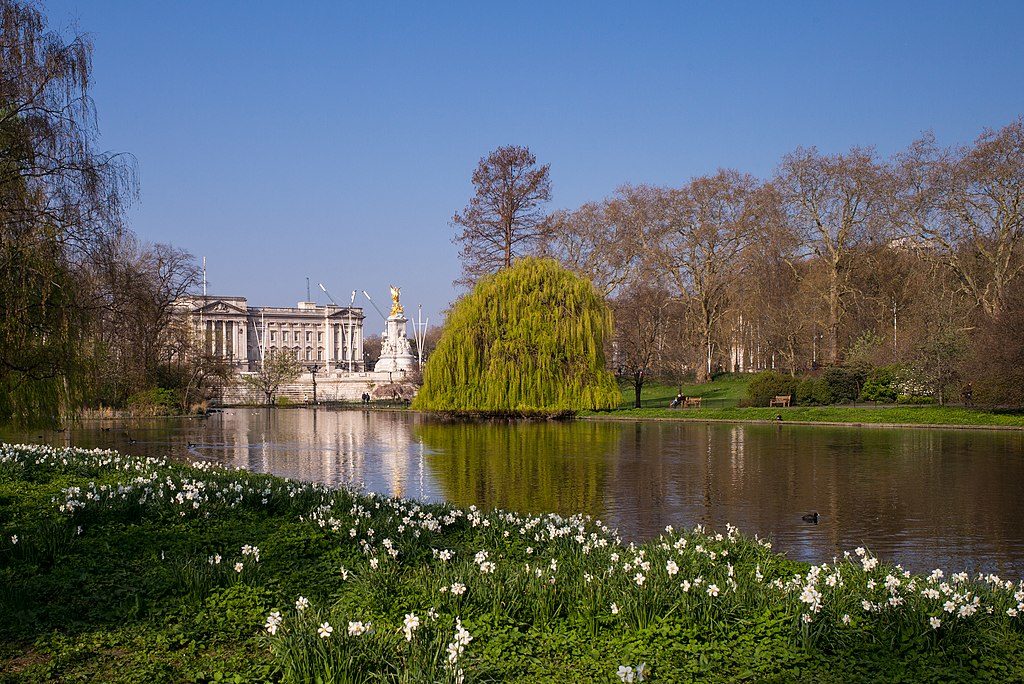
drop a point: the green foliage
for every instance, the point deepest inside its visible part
(864, 352)
(839, 385)
(158, 401)
(119, 591)
(528, 340)
(767, 385)
(807, 392)
(882, 385)
(41, 350)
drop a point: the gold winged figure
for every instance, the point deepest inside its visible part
(396, 307)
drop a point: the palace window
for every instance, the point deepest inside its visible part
(309, 354)
(319, 354)
(284, 335)
(309, 336)
(319, 337)
(273, 336)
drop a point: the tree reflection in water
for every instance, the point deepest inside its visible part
(530, 466)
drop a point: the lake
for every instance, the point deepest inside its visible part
(925, 498)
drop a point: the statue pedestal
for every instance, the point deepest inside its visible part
(395, 350)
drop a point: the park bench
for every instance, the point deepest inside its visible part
(691, 401)
(780, 400)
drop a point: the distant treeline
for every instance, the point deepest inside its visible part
(911, 263)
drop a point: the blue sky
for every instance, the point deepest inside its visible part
(335, 140)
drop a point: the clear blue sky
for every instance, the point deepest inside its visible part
(335, 140)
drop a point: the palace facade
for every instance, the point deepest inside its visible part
(329, 337)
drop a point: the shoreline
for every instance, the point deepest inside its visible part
(822, 423)
(615, 416)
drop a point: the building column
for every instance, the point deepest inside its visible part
(328, 346)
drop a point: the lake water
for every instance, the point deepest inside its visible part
(925, 498)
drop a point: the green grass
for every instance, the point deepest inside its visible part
(725, 391)
(854, 415)
(119, 569)
(722, 396)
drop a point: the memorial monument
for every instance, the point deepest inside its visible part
(395, 350)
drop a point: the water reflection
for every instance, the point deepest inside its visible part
(523, 466)
(926, 498)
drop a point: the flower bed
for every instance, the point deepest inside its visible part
(196, 571)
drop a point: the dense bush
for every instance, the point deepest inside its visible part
(806, 392)
(158, 401)
(883, 384)
(839, 385)
(767, 385)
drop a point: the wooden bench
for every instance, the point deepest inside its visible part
(780, 400)
(691, 401)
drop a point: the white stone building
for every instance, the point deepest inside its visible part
(330, 337)
(327, 340)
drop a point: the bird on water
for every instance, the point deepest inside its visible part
(812, 517)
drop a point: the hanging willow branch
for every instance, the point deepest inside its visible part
(528, 340)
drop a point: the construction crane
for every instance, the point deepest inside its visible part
(328, 294)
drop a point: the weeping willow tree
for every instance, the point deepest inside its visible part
(528, 340)
(59, 196)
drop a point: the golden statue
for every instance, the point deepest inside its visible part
(396, 308)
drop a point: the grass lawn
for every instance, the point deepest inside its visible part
(722, 396)
(121, 569)
(895, 415)
(725, 391)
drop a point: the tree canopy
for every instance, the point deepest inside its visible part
(504, 219)
(528, 340)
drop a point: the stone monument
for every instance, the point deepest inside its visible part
(395, 351)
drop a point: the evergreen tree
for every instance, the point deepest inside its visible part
(528, 340)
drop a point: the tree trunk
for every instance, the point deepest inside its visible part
(833, 318)
(638, 383)
(704, 370)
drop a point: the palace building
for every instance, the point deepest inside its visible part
(329, 337)
(326, 339)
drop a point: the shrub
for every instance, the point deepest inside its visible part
(839, 385)
(767, 385)
(806, 392)
(157, 401)
(883, 384)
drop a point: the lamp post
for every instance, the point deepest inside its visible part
(314, 369)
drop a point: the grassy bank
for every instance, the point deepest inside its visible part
(725, 391)
(853, 415)
(115, 568)
(720, 399)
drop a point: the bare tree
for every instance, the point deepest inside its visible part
(833, 204)
(772, 312)
(279, 367)
(504, 218)
(602, 240)
(132, 290)
(964, 208)
(641, 321)
(706, 225)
